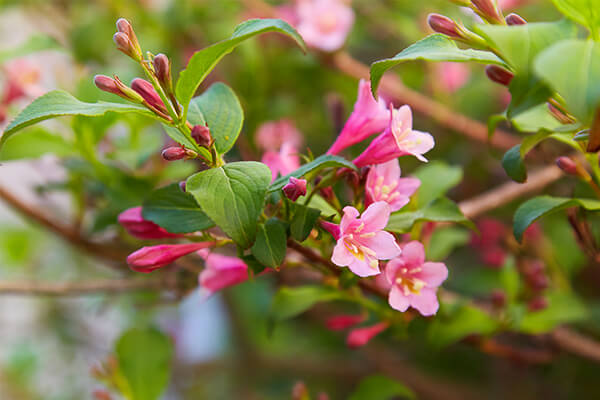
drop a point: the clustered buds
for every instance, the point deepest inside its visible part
(295, 188)
(126, 40)
(499, 75)
(515, 19)
(201, 134)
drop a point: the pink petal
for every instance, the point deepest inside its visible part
(350, 215)
(341, 322)
(425, 302)
(397, 300)
(434, 273)
(219, 277)
(341, 256)
(376, 216)
(391, 269)
(384, 244)
(413, 253)
(408, 186)
(417, 143)
(362, 268)
(361, 336)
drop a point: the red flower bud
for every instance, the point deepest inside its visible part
(361, 336)
(295, 188)
(182, 186)
(567, 165)
(174, 153)
(499, 75)
(498, 298)
(515, 19)
(133, 221)
(343, 321)
(445, 25)
(124, 27)
(162, 68)
(488, 10)
(537, 304)
(107, 84)
(146, 90)
(124, 44)
(201, 134)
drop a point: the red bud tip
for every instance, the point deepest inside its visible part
(123, 44)
(537, 304)
(107, 84)
(201, 134)
(146, 90)
(499, 75)
(182, 186)
(174, 153)
(498, 298)
(488, 10)
(445, 25)
(515, 19)
(125, 28)
(567, 165)
(162, 68)
(295, 188)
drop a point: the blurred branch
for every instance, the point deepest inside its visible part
(576, 343)
(80, 288)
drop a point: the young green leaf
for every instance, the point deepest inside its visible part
(233, 196)
(513, 164)
(436, 47)
(539, 206)
(271, 243)
(58, 103)
(203, 61)
(379, 387)
(223, 113)
(457, 321)
(33, 143)
(563, 308)
(584, 12)
(303, 221)
(175, 211)
(436, 179)
(292, 301)
(441, 210)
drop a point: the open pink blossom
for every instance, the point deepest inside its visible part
(368, 117)
(132, 220)
(399, 139)
(343, 321)
(270, 136)
(149, 258)
(362, 241)
(22, 79)
(360, 336)
(384, 184)
(220, 272)
(414, 281)
(452, 75)
(282, 162)
(324, 24)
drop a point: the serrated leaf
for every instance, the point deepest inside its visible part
(271, 243)
(441, 210)
(303, 221)
(233, 196)
(319, 163)
(436, 47)
(291, 301)
(535, 208)
(513, 164)
(203, 61)
(175, 211)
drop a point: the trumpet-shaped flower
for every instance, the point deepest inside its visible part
(360, 336)
(368, 117)
(324, 24)
(452, 75)
(220, 272)
(362, 241)
(399, 139)
(282, 162)
(384, 184)
(414, 281)
(132, 220)
(149, 258)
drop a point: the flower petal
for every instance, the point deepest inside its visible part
(397, 300)
(362, 267)
(413, 254)
(350, 214)
(434, 273)
(341, 256)
(384, 244)
(425, 302)
(376, 216)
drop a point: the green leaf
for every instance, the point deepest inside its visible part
(441, 210)
(291, 301)
(58, 103)
(562, 308)
(444, 240)
(203, 61)
(271, 243)
(539, 206)
(175, 211)
(379, 387)
(34, 143)
(436, 179)
(223, 113)
(32, 45)
(195, 117)
(535, 119)
(303, 221)
(513, 164)
(572, 68)
(584, 12)
(233, 196)
(319, 163)
(144, 361)
(458, 321)
(436, 47)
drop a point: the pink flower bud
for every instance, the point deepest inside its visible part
(174, 153)
(201, 134)
(537, 304)
(107, 84)
(567, 165)
(221, 272)
(132, 220)
(162, 68)
(146, 90)
(332, 228)
(499, 75)
(488, 10)
(341, 322)
(295, 188)
(124, 27)
(361, 336)
(149, 258)
(124, 44)
(444, 25)
(515, 19)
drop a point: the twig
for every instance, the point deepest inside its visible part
(80, 288)
(576, 343)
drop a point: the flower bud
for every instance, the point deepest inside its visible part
(537, 304)
(498, 298)
(149, 258)
(124, 27)
(201, 134)
(115, 86)
(445, 25)
(182, 186)
(343, 321)
(499, 75)
(133, 221)
(567, 165)
(361, 336)
(162, 68)
(295, 188)
(488, 10)
(146, 90)
(174, 153)
(515, 19)
(124, 44)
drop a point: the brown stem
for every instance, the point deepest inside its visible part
(79, 288)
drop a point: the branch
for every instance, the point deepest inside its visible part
(575, 343)
(80, 288)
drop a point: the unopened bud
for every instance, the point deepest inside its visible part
(201, 134)
(182, 186)
(445, 25)
(567, 165)
(488, 10)
(537, 304)
(115, 86)
(499, 75)
(162, 68)
(295, 188)
(174, 153)
(123, 26)
(498, 298)
(146, 90)
(515, 19)
(560, 115)
(124, 44)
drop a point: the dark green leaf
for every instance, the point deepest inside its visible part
(513, 164)
(271, 243)
(379, 387)
(303, 221)
(319, 163)
(175, 211)
(441, 210)
(292, 301)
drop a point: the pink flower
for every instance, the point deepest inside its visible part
(368, 117)
(324, 24)
(399, 139)
(132, 220)
(222, 271)
(384, 184)
(343, 321)
(149, 258)
(452, 75)
(22, 80)
(271, 135)
(414, 281)
(362, 241)
(282, 162)
(295, 188)
(361, 336)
